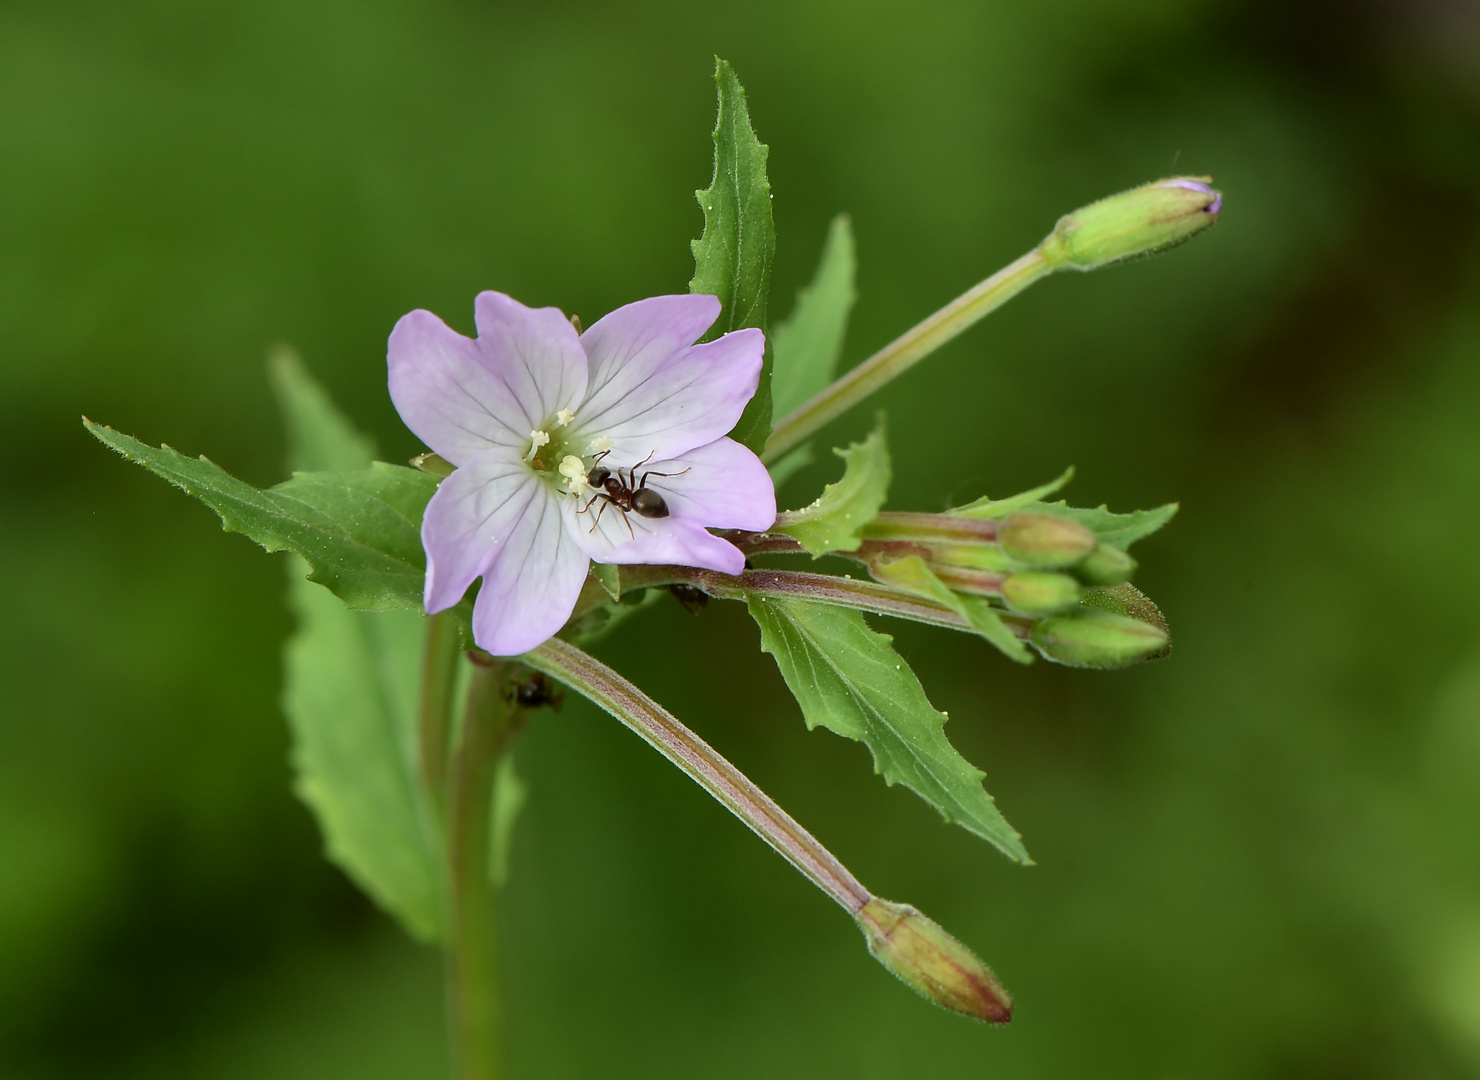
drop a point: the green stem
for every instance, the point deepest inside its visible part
(434, 727)
(472, 960)
(904, 352)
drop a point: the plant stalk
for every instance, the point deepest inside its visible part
(904, 352)
(473, 998)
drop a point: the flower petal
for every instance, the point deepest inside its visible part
(448, 393)
(536, 352)
(531, 588)
(652, 391)
(471, 518)
(604, 536)
(720, 486)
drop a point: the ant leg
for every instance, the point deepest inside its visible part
(597, 520)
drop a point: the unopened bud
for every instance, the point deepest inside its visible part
(1095, 638)
(1126, 599)
(1040, 592)
(1106, 565)
(1045, 540)
(1141, 221)
(932, 963)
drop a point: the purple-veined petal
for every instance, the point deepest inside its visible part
(722, 485)
(537, 353)
(531, 588)
(652, 391)
(447, 392)
(471, 518)
(604, 535)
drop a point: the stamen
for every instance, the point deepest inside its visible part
(574, 471)
(564, 417)
(600, 445)
(537, 439)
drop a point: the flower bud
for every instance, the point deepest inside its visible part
(1106, 565)
(1040, 592)
(1045, 540)
(931, 962)
(1096, 638)
(1126, 599)
(1141, 221)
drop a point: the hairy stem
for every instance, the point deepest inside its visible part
(663, 732)
(472, 959)
(904, 352)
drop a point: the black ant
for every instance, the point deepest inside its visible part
(626, 492)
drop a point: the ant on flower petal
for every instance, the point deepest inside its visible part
(623, 489)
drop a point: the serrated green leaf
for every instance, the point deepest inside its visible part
(359, 531)
(732, 260)
(996, 508)
(848, 679)
(912, 573)
(509, 793)
(350, 695)
(1122, 530)
(320, 437)
(835, 521)
(810, 342)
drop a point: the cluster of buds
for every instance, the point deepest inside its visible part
(1055, 582)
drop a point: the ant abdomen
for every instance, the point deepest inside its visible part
(649, 503)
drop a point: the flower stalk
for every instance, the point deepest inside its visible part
(1142, 221)
(916, 949)
(904, 352)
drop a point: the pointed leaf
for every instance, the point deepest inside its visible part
(835, 521)
(732, 260)
(359, 531)
(810, 342)
(848, 679)
(1122, 530)
(997, 508)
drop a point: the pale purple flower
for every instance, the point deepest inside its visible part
(529, 411)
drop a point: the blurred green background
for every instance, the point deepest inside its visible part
(1260, 858)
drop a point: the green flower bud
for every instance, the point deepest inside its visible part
(1106, 565)
(1045, 540)
(1125, 599)
(1141, 221)
(1095, 638)
(931, 962)
(1040, 592)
